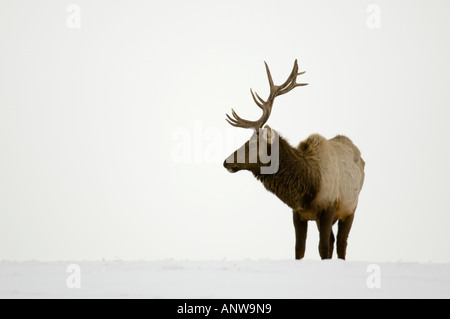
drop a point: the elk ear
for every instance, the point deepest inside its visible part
(268, 134)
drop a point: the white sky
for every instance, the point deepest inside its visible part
(89, 121)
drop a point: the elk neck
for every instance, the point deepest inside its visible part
(297, 180)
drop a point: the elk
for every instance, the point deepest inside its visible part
(319, 179)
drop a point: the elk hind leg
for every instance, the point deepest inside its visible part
(331, 247)
(325, 224)
(344, 227)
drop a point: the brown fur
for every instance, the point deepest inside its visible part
(319, 180)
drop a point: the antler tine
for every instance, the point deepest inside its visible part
(292, 76)
(291, 82)
(232, 121)
(261, 102)
(237, 121)
(266, 106)
(269, 76)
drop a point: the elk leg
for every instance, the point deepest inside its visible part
(325, 224)
(331, 248)
(332, 241)
(301, 229)
(344, 227)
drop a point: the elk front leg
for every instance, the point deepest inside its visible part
(301, 229)
(325, 224)
(344, 227)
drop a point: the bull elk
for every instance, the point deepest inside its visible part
(319, 179)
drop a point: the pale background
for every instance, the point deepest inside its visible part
(90, 120)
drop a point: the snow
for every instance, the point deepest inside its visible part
(225, 279)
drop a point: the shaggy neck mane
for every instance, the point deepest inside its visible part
(298, 177)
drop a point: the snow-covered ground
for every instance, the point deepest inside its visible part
(224, 279)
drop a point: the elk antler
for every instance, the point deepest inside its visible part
(266, 106)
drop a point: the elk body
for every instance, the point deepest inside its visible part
(319, 179)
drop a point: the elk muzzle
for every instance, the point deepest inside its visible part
(230, 167)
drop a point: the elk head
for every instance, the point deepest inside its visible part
(260, 153)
